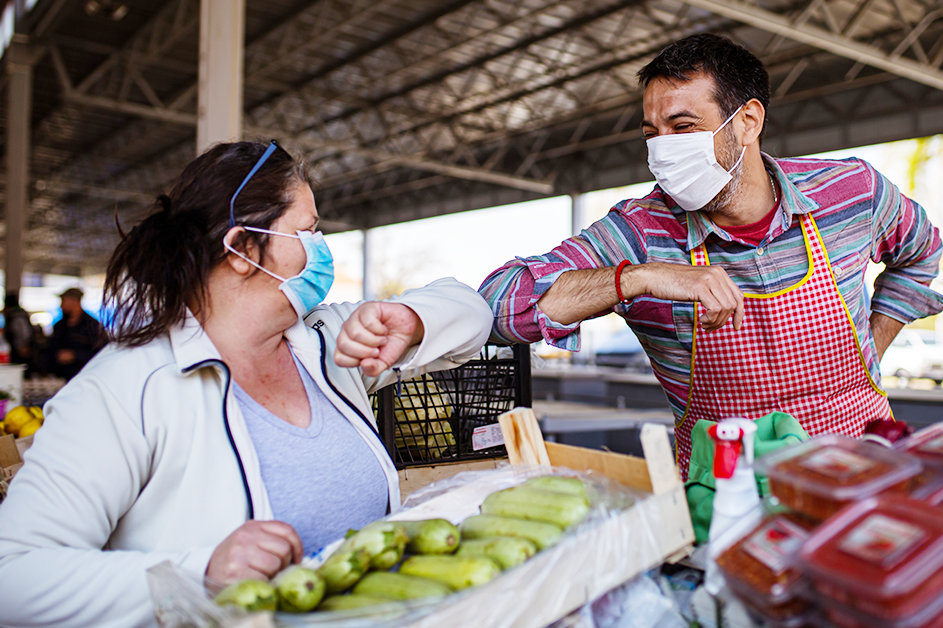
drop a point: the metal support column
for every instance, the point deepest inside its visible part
(369, 292)
(578, 212)
(222, 52)
(21, 57)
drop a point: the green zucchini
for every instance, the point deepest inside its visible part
(535, 504)
(399, 586)
(506, 551)
(299, 589)
(350, 602)
(458, 572)
(252, 595)
(559, 484)
(385, 541)
(543, 535)
(432, 536)
(344, 568)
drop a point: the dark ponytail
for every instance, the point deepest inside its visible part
(162, 266)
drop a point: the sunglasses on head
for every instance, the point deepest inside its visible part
(269, 151)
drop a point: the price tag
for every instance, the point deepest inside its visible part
(487, 436)
(836, 463)
(775, 543)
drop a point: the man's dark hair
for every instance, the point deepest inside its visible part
(738, 75)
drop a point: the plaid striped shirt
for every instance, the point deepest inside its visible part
(860, 214)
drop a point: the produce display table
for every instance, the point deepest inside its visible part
(560, 417)
(36, 392)
(562, 578)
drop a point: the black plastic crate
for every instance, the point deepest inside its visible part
(434, 415)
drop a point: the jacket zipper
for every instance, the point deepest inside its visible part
(339, 394)
(232, 441)
(389, 506)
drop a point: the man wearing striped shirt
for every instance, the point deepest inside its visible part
(741, 274)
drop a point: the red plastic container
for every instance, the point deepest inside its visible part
(761, 568)
(882, 557)
(927, 444)
(843, 617)
(819, 477)
(930, 486)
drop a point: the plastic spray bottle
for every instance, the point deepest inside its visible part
(737, 499)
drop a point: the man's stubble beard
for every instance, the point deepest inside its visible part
(729, 154)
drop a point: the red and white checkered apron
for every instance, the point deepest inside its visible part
(796, 352)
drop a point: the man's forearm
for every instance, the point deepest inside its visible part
(578, 294)
(884, 329)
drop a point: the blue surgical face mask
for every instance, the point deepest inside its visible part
(308, 288)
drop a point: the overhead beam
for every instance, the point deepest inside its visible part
(52, 17)
(111, 194)
(469, 173)
(134, 109)
(389, 161)
(820, 38)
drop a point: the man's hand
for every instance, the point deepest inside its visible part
(708, 285)
(256, 550)
(376, 335)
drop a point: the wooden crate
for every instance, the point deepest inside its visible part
(561, 579)
(10, 458)
(411, 479)
(7, 473)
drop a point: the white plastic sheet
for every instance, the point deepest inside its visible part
(613, 544)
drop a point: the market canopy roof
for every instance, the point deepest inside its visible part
(415, 108)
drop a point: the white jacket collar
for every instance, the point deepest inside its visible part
(191, 345)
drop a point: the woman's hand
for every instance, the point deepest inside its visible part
(256, 550)
(376, 335)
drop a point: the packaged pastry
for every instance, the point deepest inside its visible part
(819, 477)
(927, 444)
(879, 559)
(761, 568)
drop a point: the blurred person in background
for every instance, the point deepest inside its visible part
(19, 333)
(41, 345)
(76, 338)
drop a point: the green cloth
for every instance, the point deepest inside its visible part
(773, 431)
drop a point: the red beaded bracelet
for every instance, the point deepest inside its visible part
(619, 268)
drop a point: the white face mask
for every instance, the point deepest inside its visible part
(686, 168)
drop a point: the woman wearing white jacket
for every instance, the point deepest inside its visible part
(227, 427)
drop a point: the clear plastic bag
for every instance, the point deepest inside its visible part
(639, 603)
(612, 544)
